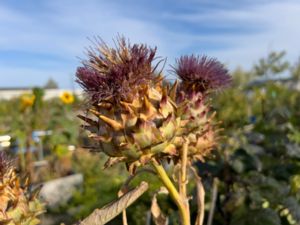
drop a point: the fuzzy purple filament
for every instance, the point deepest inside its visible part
(119, 74)
(202, 72)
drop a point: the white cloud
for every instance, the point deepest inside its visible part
(61, 29)
(277, 29)
(63, 33)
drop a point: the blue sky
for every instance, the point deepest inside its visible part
(43, 39)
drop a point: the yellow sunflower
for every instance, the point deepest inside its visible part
(27, 100)
(67, 97)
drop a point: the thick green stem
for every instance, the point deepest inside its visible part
(183, 208)
(182, 176)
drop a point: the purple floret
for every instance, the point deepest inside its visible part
(202, 72)
(117, 73)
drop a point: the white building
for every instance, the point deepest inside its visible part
(9, 93)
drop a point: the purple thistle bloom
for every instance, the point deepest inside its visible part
(118, 72)
(202, 73)
(92, 82)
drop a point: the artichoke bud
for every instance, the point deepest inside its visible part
(198, 128)
(199, 76)
(138, 130)
(134, 114)
(17, 204)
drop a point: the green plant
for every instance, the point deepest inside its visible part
(258, 164)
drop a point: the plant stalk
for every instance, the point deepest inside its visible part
(183, 176)
(213, 200)
(183, 209)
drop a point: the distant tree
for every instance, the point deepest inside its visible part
(51, 84)
(240, 77)
(274, 63)
(295, 70)
(39, 94)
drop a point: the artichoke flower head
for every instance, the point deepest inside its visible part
(198, 77)
(134, 116)
(17, 204)
(131, 117)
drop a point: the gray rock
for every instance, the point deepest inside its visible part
(59, 191)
